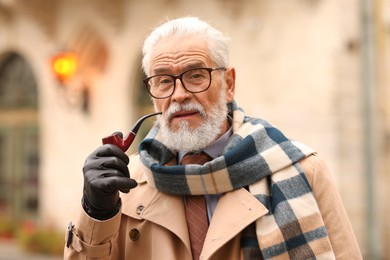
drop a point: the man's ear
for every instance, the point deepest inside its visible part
(230, 80)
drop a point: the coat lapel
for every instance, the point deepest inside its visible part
(234, 212)
(148, 203)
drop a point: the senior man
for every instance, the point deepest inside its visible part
(209, 182)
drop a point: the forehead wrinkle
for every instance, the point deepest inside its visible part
(188, 66)
(164, 61)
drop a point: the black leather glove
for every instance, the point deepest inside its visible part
(105, 174)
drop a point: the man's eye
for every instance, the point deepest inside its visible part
(196, 76)
(165, 81)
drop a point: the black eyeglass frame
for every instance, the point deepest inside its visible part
(180, 76)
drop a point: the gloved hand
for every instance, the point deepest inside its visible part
(105, 174)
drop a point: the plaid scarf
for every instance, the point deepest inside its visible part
(259, 157)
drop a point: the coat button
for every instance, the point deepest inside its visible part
(134, 234)
(139, 209)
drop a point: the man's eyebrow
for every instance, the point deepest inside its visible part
(160, 70)
(167, 70)
(194, 66)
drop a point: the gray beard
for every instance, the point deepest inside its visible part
(190, 140)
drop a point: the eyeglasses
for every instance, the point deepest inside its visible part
(194, 80)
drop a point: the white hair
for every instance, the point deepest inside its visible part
(187, 26)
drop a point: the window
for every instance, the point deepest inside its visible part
(19, 138)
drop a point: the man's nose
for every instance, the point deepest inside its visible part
(180, 93)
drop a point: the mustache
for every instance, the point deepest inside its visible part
(175, 107)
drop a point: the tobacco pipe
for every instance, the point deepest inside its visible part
(125, 143)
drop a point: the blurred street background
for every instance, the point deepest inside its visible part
(70, 74)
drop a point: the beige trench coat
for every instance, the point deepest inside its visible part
(152, 225)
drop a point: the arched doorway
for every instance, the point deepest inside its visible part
(19, 135)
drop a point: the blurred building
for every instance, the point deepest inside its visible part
(317, 69)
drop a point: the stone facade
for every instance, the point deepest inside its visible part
(300, 64)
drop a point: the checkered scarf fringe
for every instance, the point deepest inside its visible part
(259, 157)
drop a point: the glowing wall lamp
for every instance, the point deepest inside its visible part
(66, 69)
(64, 66)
